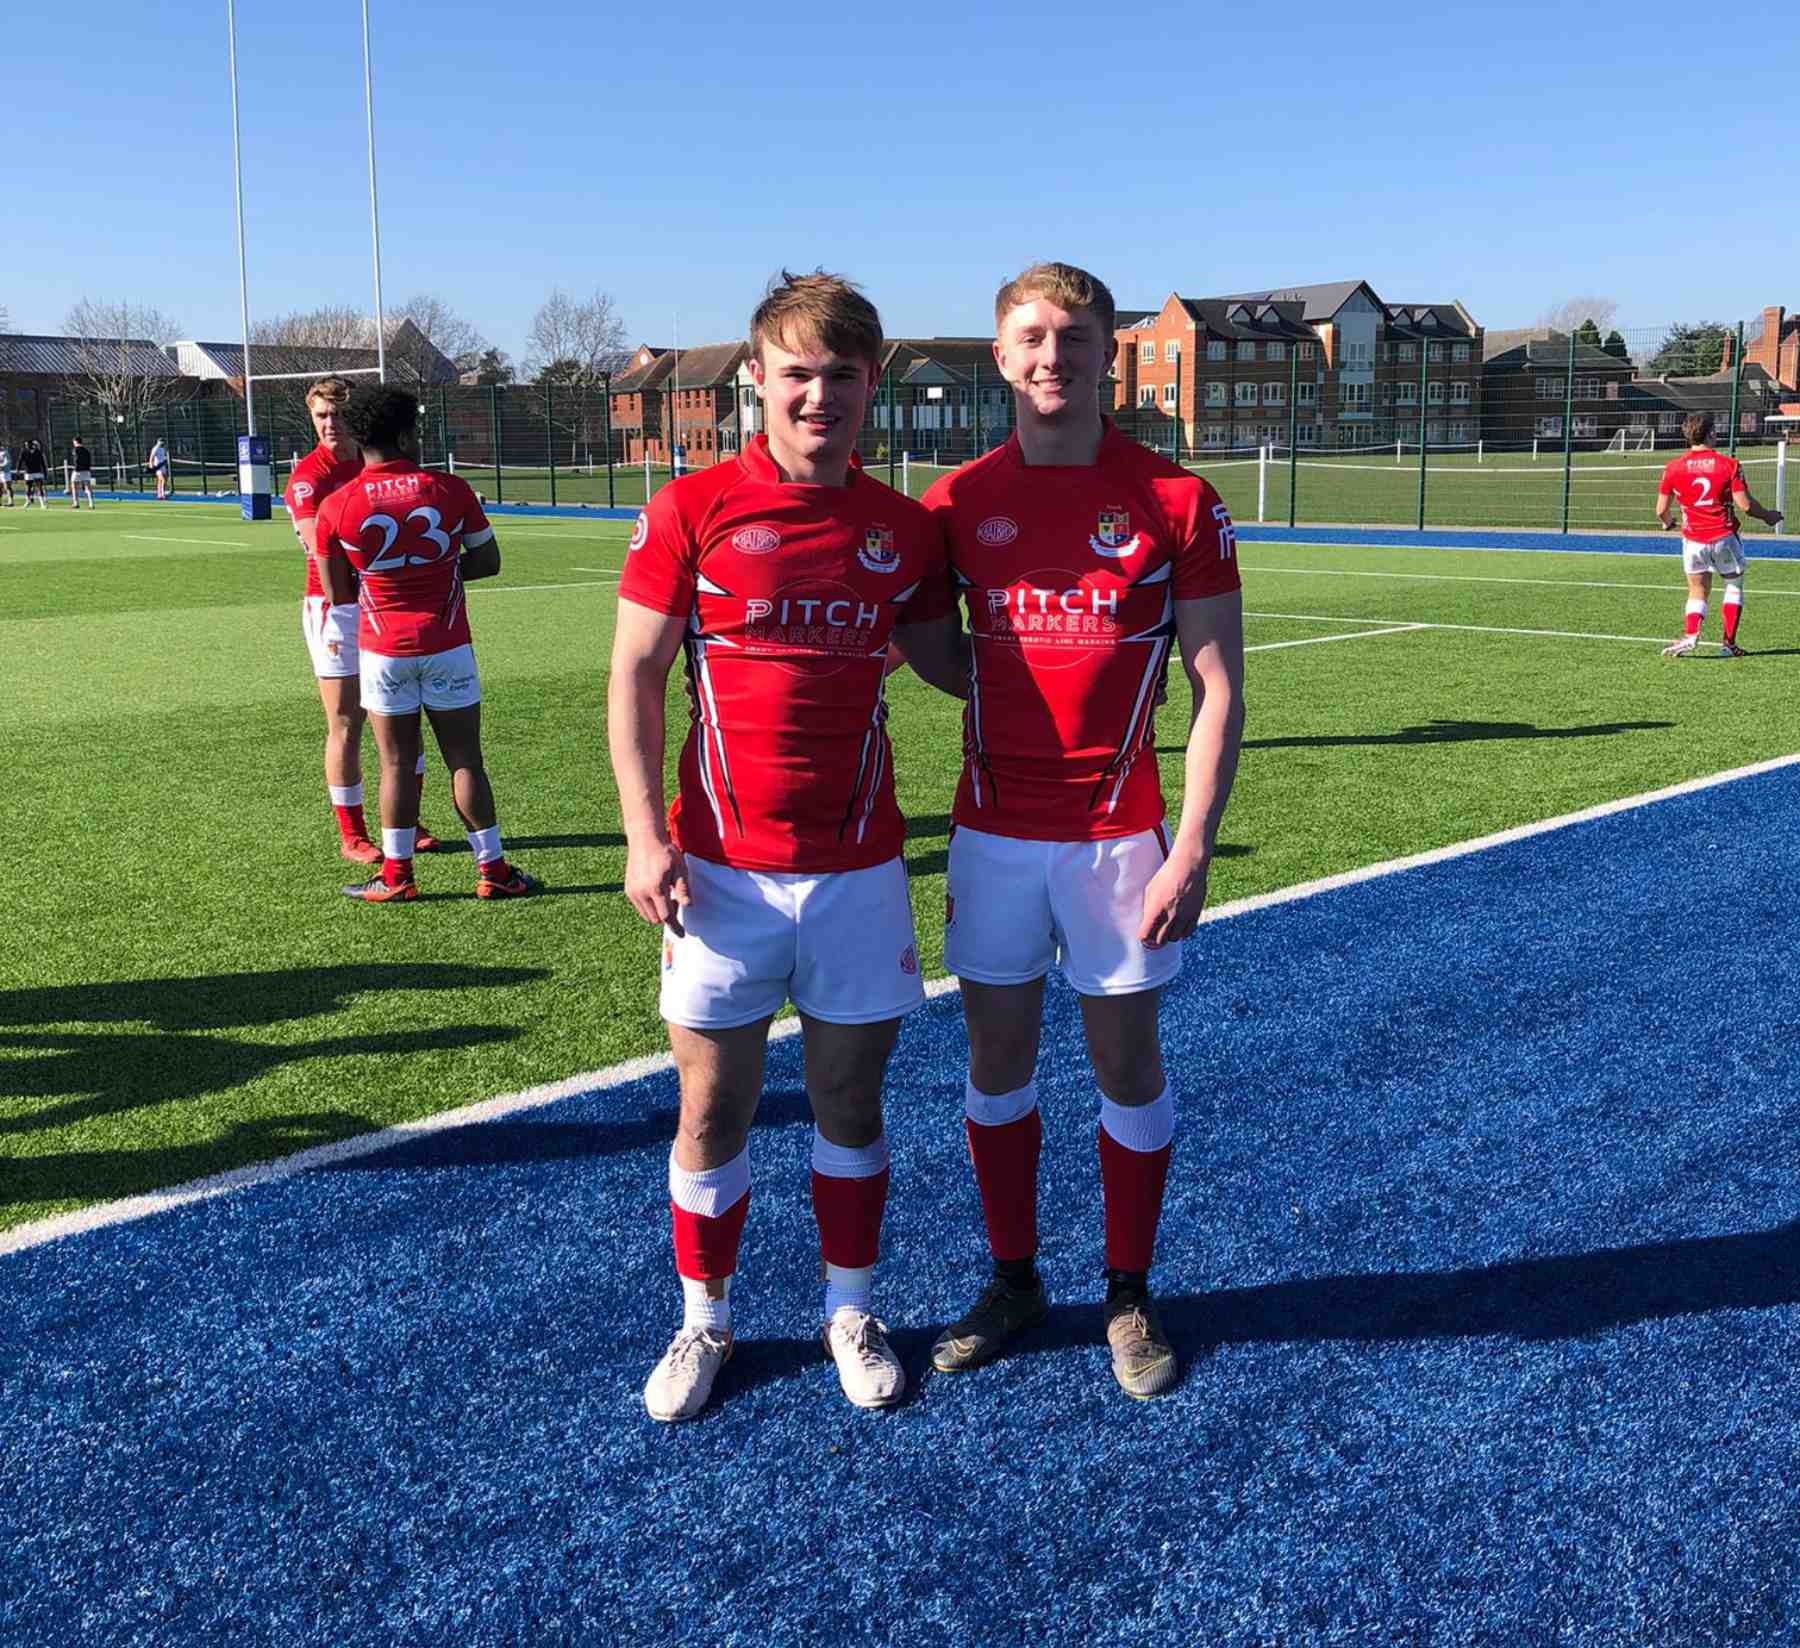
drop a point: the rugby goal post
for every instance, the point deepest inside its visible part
(1630, 439)
(1785, 428)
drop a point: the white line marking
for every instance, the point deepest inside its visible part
(1320, 640)
(605, 572)
(1472, 629)
(520, 589)
(210, 543)
(1475, 578)
(105, 1214)
(504, 525)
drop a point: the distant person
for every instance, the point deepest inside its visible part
(1712, 492)
(35, 467)
(401, 541)
(6, 469)
(81, 473)
(159, 467)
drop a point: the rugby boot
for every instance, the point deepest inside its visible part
(999, 1315)
(505, 880)
(377, 891)
(1143, 1360)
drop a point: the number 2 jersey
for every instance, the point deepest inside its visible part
(1071, 575)
(791, 594)
(314, 478)
(1702, 482)
(404, 529)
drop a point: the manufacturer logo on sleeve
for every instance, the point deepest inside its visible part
(997, 531)
(878, 553)
(640, 534)
(1113, 537)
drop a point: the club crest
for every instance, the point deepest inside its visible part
(1113, 537)
(878, 553)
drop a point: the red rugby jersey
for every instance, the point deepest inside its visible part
(791, 593)
(1071, 575)
(1702, 481)
(404, 529)
(313, 479)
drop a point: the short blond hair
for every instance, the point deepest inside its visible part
(332, 389)
(1697, 428)
(820, 309)
(1059, 283)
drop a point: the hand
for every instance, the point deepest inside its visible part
(1173, 902)
(656, 883)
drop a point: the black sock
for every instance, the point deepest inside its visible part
(1127, 1284)
(1021, 1275)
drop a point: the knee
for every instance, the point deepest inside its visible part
(713, 1130)
(1130, 1076)
(1003, 1059)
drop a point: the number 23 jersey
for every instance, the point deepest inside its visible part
(1071, 575)
(404, 529)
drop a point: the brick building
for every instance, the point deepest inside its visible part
(1776, 348)
(689, 397)
(1334, 363)
(1526, 377)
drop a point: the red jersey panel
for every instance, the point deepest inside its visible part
(312, 480)
(791, 594)
(1703, 481)
(1071, 575)
(404, 529)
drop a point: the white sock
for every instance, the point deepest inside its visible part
(845, 1285)
(345, 795)
(700, 1310)
(485, 844)
(1140, 1127)
(397, 843)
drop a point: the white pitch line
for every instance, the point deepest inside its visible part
(210, 543)
(105, 1214)
(520, 589)
(605, 572)
(1476, 578)
(1320, 640)
(1472, 629)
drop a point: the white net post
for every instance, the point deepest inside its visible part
(1781, 462)
(1262, 483)
(906, 473)
(1397, 452)
(450, 461)
(646, 472)
(1481, 451)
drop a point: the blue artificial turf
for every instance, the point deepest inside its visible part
(1481, 1249)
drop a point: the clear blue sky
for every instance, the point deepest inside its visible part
(675, 155)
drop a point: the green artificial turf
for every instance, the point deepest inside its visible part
(182, 989)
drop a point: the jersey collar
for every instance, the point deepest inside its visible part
(1112, 444)
(759, 464)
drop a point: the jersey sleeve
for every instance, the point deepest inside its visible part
(477, 529)
(934, 594)
(326, 542)
(661, 559)
(1206, 556)
(302, 497)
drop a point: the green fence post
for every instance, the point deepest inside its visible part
(1293, 428)
(1424, 446)
(1176, 454)
(494, 438)
(550, 435)
(893, 419)
(975, 392)
(606, 414)
(1568, 431)
(1737, 380)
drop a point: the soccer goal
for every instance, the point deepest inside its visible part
(1633, 440)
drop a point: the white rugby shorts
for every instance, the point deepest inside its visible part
(1013, 908)
(1724, 556)
(330, 636)
(82, 477)
(840, 946)
(432, 680)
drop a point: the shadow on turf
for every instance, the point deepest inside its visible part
(1439, 732)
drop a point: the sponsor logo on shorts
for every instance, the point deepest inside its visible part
(640, 534)
(997, 531)
(1113, 537)
(878, 553)
(755, 540)
(332, 648)
(668, 955)
(909, 962)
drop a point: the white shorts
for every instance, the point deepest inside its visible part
(1012, 908)
(5, 477)
(330, 636)
(82, 477)
(1724, 556)
(434, 680)
(839, 946)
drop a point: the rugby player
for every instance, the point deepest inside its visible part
(781, 577)
(81, 472)
(34, 467)
(6, 469)
(330, 630)
(414, 537)
(1712, 492)
(1087, 562)
(159, 467)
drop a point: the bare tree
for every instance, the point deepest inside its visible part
(434, 324)
(331, 326)
(120, 362)
(575, 344)
(1569, 314)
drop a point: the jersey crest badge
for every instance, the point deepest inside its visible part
(878, 553)
(1114, 537)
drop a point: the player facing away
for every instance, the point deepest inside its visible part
(1712, 492)
(1087, 563)
(414, 538)
(330, 630)
(81, 473)
(159, 467)
(34, 467)
(780, 577)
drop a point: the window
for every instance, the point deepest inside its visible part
(1406, 351)
(1146, 354)
(1668, 420)
(1215, 348)
(1246, 394)
(1589, 389)
(1434, 394)
(1586, 428)
(1549, 426)
(1215, 394)
(1171, 350)
(1434, 431)
(1306, 394)
(1549, 389)
(1459, 431)
(1434, 352)
(1406, 394)
(1459, 353)
(1353, 397)
(1356, 353)
(1459, 394)
(1169, 395)
(1309, 434)
(1214, 436)
(1274, 394)
(1146, 394)
(1306, 351)
(1246, 349)
(1277, 351)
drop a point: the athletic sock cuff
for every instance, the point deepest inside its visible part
(345, 795)
(997, 1109)
(712, 1191)
(842, 1161)
(1140, 1127)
